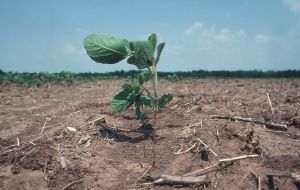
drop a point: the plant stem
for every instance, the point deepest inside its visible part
(155, 80)
(138, 111)
(154, 71)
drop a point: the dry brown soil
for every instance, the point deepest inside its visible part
(100, 157)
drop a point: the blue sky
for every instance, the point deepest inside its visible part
(43, 35)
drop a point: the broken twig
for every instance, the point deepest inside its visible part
(272, 109)
(220, 162)
(293, 175)
(71, 184)
(207, 147)
(177, 180)
(18, 141)
(145, 173)
(45, 124)
(187, 150)
(269, 125)
(45, 169)
(91, 122)
(257, 179)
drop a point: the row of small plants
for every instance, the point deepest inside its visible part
(36, 78)
(42, 78)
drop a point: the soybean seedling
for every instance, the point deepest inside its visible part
(145, 55)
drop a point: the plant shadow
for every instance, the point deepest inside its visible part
(143, 133)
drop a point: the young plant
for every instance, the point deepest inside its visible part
(144, 55)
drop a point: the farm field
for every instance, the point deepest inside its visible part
(115, 150)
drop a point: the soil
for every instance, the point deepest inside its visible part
(113, 150)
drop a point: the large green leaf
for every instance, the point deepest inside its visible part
(122, 101)
(143, 54)
(159, 49)
(153, 39)
(106, 49)
(162, 101)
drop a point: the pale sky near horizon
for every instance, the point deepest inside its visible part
(47, 36)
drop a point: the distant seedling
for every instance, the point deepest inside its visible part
(144, 55)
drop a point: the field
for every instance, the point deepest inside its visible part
(114, 150)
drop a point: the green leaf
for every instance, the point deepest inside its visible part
(143, 54)
(162, 101)
(153, 39)
(136, 87)
(122, 101)
(127, 87)
(144, 76)
(131, 60)
(106, 49)
(141, 80)
(159, 49)
(132, 87)
(147, 100)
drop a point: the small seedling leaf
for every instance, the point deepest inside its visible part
(162, 101)
(106, 49)
(153, 39)
(136, 87)
(147, 100)
(144, 76)
(143, 54)
(122, 101)
(127, 87)
(159, 49)
(132, 87)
